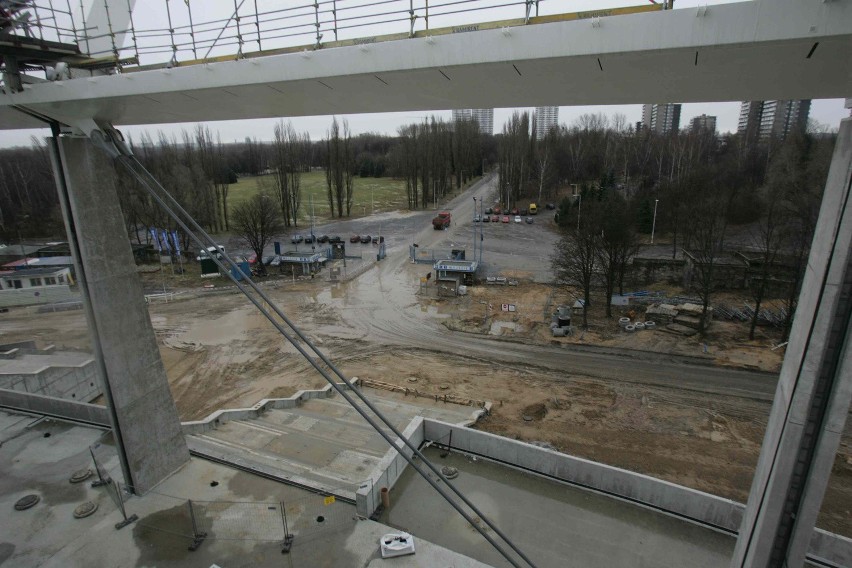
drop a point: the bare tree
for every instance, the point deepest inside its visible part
(257, 222)
(339, 173)
(617, 243)
(767, 236)
(289, 157)
(576, 254)
(708, 219)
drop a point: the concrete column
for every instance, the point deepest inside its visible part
(142, 411)
(814, 390)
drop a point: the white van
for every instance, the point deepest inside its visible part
(208, 252)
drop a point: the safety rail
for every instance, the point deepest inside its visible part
(246, 27)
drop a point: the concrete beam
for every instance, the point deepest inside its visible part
(142, 411)
(814, 390)
(756, 50)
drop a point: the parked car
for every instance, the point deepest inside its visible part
(529, 220)
(365, 239)
(486, 219)
(296, 239)
(550, 206)
(515, 211)
(496, 211)
(477, 218)
(505, 218)
(489, 211)
(378, 239)
(518, 219)
(354, 239)
(495, 219)
(322, 239)
(252, 258)
(309, 239)
(335, 239)
(523, 212)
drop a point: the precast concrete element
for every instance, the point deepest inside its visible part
(60, 374)
(55, 407)
(757, 50)
(143, 415)
(387, 471)
(814, 390)
(219, 417)
(697, 506)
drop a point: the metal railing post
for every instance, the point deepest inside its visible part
(288, 538)
(197, 538)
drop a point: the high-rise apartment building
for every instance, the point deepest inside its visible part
(664, 117)
(761, 120)
(545, 119)
(484, 116)
(703, 123)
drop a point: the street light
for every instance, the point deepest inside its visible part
(654, 223)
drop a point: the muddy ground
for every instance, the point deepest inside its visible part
(218, 352)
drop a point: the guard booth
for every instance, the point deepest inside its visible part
(460, 271)
(301, 263)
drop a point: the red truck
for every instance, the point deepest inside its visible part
(442, 221)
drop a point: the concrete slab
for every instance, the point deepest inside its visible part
(240, 512)
(556, 525)
(323, 443)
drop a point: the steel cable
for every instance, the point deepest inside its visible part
(131, 163)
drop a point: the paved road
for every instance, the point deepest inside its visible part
(381, 303)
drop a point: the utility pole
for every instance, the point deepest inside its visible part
(654, 222)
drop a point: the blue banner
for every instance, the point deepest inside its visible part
(166, 244)
(177, 242)
(156, 240)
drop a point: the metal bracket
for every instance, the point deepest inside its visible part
(103, 135)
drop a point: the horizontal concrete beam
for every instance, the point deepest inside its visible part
(55, 407)
(756, 50)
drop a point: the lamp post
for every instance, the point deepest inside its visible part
(20, 240)
(474, 228)
(654, 222)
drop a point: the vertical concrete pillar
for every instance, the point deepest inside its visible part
(814, 390)
(144, 418)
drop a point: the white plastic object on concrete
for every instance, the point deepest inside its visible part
(639, 326)
(630, 328)
(396, 544)
(650, 325)
(558, 331)
(623, 322)
(462, 290)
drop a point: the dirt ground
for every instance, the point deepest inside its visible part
(219, 353)
(726, 342)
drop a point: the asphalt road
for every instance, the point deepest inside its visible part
(382, 305)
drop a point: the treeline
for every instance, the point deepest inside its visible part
(701, 185)
(197, 167)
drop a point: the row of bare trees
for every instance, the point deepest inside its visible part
(430, 156)
(708, 189)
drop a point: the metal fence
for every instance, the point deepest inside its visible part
(422, 255)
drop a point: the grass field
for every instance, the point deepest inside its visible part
(376, 194)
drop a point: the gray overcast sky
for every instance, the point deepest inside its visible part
(153, 17)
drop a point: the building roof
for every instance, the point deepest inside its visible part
(296, 256)
(456, 265)
(33, 272)
(40, 262)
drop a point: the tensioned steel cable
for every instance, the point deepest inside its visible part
(148, 182)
